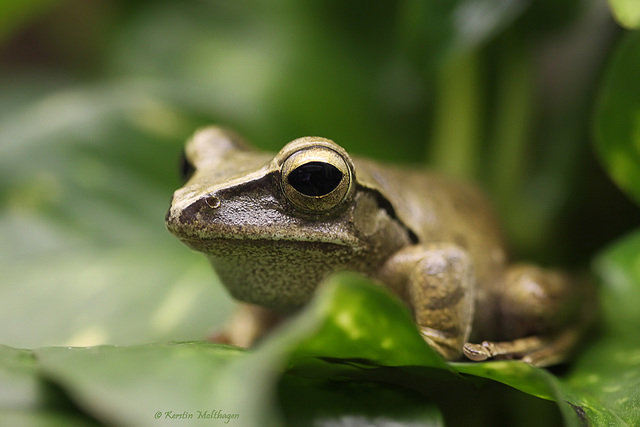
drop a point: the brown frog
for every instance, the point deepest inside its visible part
(274, 227)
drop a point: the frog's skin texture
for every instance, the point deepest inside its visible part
(273, 226)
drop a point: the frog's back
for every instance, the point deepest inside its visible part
(441, 209)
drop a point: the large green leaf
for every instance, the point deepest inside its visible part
(140, 385)
(354, 331)
(353, 338)
(617, 121)
(26, 400)
(626, 12)
(607, 373)
(148, 385)
(87, 175)
(619, 270)
(606, 380)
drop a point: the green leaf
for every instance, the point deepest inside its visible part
(19, 384)
(433, 30)
(607, 373)
(355, 403)
(607, 377)
(626, 12)
(351, 320)
(617, 121)
(609, 370)
(351, 341)
(365, 334)
(358, 320)
(141, 385)
(354, 339)
(131, 384)
(26, 400)
(618, 268)
(86, 256)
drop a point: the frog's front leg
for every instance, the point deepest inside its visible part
(437, 282)
(247, 325)
(540, 315)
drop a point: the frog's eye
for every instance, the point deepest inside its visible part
(316, 179)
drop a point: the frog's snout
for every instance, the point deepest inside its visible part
(186, 215)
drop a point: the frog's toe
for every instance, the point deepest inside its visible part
(476, 352)
(537, 351)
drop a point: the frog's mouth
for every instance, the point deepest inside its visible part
(206, 222)
(221, 246)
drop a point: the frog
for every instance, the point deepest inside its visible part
(275, 226)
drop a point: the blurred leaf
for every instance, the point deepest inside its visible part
(15, 13)
(276, 79)
(353, 403)
(141, 385)
(111, 295)
(626, 12)
(129, 385)
(350, 320)
(87, 176)
(25, 400)
(365, 334)
(607, 376)
(617, 121)
(456, 140)
(358, 320)
(607, 373)
(544, 17)
(19, 383)
(436, 30)
(618, 268)
(353, 338)
(352, 331)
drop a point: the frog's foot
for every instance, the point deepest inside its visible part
(219, 337)
(536, 351)
(501, 350)
(248, 324)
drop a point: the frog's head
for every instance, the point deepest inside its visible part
(274, 226)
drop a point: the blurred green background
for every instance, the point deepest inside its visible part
(97, 98)
(532, 100)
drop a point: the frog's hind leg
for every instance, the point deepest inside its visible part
(535, 350)
(538, 315)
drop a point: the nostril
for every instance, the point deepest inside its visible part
(213, 202)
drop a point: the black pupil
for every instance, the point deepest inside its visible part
(315, 178)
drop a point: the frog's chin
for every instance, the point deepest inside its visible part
(279, 275)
